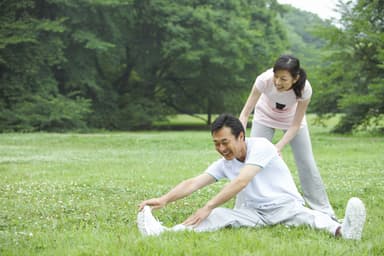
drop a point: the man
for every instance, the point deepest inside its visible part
(262, 183)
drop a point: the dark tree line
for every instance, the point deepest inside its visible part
(123, 64)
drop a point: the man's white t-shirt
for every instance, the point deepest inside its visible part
(277, 109)
(273, 184)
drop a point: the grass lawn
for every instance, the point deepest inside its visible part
(77, 194)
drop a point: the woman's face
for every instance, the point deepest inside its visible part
(283, 80)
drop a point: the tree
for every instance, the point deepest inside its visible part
(30, 48)
(304, 43)
(354, 76)
(123, 64)
(212, 50)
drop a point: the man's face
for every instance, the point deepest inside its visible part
(227, 144)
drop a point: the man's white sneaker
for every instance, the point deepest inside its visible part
(147, 224)
(354, 219)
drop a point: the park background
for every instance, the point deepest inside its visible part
(106, 103)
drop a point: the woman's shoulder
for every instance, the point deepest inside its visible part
(267, 74)
(307, 91)
(264, 80)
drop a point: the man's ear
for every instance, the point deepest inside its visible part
(241, 135)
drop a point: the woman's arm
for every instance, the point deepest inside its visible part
(295, 126)
(249, 106)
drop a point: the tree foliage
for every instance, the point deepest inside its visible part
(353, 76)
(304, 43)
(30, 49)
(123, 64)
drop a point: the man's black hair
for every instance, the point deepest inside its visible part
(228, 120)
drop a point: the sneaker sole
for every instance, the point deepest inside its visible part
(355, 215)
(141, 223)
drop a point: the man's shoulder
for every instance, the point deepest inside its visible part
(257, 141)
(259, 144)
(220, 163)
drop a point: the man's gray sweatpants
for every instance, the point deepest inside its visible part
(311, 183)
(286, 212)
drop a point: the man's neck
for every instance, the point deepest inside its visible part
(243, 153)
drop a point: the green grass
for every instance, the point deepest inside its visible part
(77, 194)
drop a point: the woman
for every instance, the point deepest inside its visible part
(279, 98)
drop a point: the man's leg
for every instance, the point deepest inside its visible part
(314, 219)
(310, 179)
(224, 217)
(218, 219)
(288, 212)
(352, 227)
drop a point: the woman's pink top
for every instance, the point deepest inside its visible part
(277, 109)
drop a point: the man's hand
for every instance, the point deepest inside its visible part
(155, 203)
(200, 215)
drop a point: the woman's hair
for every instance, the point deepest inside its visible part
(228, 120)
(292, 65)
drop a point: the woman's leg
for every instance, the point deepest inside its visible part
(310, 179)
(259, 130)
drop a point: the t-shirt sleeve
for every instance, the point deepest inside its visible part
(216, 169)
(261, 153)
(261, 82)
(307, 92)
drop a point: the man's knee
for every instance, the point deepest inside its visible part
(218, 212)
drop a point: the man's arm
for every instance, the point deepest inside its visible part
(230, 190)
(183, 189)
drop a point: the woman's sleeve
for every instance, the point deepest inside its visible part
(261, 80)
(307, 91)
